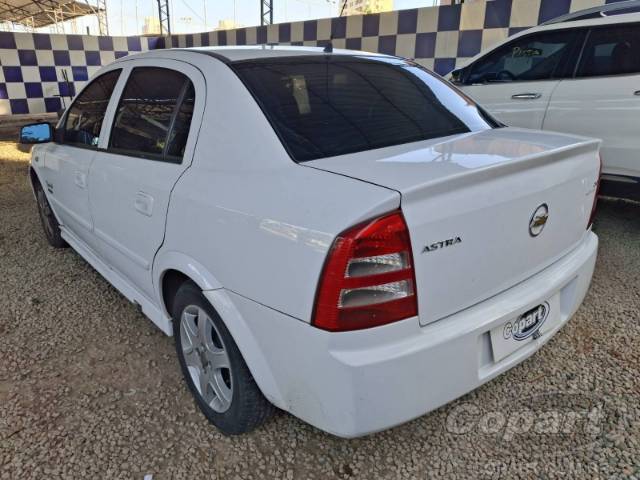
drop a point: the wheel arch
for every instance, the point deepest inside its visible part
(34, 179)
(173, 269)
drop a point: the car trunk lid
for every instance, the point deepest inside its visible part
(485, 210)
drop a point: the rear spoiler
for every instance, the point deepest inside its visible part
(464, 179)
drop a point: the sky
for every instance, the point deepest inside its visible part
(126, 17)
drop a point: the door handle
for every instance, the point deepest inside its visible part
(80, 179)
(637, 93)
(526, 96)
(144, 203)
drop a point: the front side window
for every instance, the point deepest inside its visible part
(84, 120)
(323, 106)
(154, 114)
(541, 56)
(611, 51)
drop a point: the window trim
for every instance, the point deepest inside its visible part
(469, 68)
(581, 55)
(584, 46)
(144, 156)
(62, 125)
(158, 157)
(174, 117)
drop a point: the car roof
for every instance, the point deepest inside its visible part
(609, 9)
(254, 52)
(589, 22)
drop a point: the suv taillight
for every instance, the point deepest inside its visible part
(368, 278)
(595, 197)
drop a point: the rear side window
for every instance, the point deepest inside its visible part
(154, 114)
(84, 120)
(611, 51)
(323, 106)
(541, 56)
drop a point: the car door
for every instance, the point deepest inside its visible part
(515, 82)
(67, 160)
(151, 142)
(603, 101)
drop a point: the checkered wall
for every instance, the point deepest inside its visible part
(440, 38)
(437, 37)
(33, 65)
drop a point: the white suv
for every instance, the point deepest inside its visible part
(578, 74)
(339, 234)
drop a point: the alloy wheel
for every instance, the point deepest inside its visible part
(206, 358)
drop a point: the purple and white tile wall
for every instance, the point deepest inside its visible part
(33, 67)
(32, 81)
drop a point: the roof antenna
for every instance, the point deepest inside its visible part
(328, 48)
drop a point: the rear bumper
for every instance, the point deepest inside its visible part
(355, 383)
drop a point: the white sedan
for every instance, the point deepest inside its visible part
(338, 234)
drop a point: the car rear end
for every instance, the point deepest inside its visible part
(484, 211)
(353, 383)
(488, 254)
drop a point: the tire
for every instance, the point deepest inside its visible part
(48, 219)
(211, 363)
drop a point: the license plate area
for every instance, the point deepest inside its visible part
(525, 328)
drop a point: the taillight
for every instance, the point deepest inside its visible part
(595, 197)
(368, 278)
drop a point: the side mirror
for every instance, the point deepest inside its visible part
(36, 133)
(457, 75)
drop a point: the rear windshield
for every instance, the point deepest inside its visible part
(327, 105)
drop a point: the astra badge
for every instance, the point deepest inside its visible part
(442, 244)
(528, 324)
(538, 220)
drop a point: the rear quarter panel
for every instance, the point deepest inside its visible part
(261, 224)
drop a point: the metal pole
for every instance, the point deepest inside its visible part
(204, 6)
(266, 12)
(164, 17)
(103, 24)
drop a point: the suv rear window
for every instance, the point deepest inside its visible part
(327, 105)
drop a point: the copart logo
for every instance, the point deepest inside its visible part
(528, 323)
